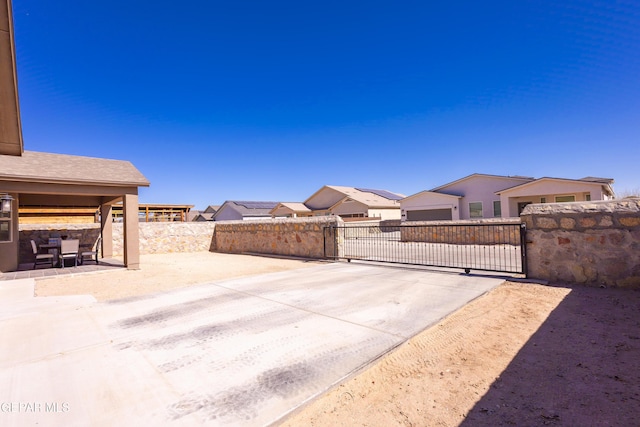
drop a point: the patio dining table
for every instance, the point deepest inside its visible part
(52, 248)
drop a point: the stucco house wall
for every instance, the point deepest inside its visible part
(549, 189)
(350, 207)
(427, 200)
(385, 214)
(227, 213)
(481, 189)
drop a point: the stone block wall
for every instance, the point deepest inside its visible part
(492, 231)
(591, 243)
(88, 234)
(155, 237)
(301, 237)
(168, 237)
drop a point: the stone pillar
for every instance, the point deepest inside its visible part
(106, 225)
(131, 231)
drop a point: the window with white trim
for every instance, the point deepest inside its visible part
(5, 226)
(475, 210)
(497, 209)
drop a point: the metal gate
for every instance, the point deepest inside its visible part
(498, 247)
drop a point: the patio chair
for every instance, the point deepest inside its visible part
(40, 258)
(91, 254)
(69, 250)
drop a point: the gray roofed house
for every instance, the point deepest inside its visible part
(478, 196)
(212, 209)
(244, 210)
(201, 216)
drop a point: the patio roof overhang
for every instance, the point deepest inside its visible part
(10, 129)
(54, 180)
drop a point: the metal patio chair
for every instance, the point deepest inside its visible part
(90, 254)
(69, 250)
(40, 259)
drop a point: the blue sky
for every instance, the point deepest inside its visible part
(255, 100)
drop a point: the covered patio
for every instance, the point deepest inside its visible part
(43, 180)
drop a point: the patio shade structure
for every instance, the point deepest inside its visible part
(47, 179)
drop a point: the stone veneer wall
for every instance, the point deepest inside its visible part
(155, 237)
(301, 237)
(168, 237)
(464, 231)
(88, 234)
(591, 243)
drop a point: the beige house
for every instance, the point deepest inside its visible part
(30, 178)
(480, 196)
(291, 210)
(351, 202)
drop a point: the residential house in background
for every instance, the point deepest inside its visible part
(205, 215)
(493, 196)
(554, 190)
(291, 210)
(244, 210)
(351, 202)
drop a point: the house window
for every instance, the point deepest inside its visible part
(5, 226)
(475, 210)
(563, 199)
(587, 197)
(497, 209)
(543, 200)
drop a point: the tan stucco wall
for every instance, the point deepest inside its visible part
(385, 214)
(591, 243)
(429, 200)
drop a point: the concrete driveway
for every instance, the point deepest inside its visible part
(238, 352)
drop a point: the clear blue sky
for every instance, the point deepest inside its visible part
(270, 100)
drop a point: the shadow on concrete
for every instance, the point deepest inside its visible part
(26, 271)
(585, 376)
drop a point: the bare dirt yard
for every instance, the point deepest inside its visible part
(523, 354)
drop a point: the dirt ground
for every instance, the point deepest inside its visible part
(523, 354)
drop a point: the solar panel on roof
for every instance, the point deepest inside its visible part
(382, 193)
(257, 205)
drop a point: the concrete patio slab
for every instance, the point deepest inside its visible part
(238, 352)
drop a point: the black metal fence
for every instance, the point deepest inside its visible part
(498, 247)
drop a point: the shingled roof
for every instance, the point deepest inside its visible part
(35, 166)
